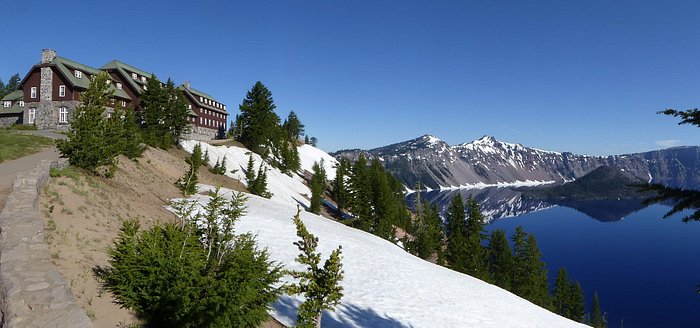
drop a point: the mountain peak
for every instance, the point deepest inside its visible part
(430, 139)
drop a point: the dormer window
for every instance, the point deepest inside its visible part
(7, 103)
(108, 82)
(134, 76)
(119, 86)
(143, 79)
(189, 106)
(78, 74)
(145, 87)
(21, 103)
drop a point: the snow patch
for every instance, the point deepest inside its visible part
(384, 286)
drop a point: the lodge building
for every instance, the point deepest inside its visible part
(50, 92)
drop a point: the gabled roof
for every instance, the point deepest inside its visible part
(67, 67)
(125, 70)
(14, 95)
(195, 94)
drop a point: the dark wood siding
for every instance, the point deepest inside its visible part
(58, 80)
(34, 80)
(135, 99)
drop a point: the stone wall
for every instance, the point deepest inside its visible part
(200, 133)
(9, 119)
(48, 111)
(32, 291)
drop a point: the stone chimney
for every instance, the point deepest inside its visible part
(47, 55)
(187, 85)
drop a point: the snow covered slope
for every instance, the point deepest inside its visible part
(309, 154)
(384, 286)
(284, 188)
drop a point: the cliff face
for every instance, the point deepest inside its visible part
(487, 161)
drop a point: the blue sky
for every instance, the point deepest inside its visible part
(580, 76)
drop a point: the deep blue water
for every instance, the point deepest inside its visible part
(644, 268)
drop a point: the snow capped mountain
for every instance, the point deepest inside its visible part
(490, 162)
(384, 286)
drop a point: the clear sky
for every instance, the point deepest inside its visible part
(580, 76)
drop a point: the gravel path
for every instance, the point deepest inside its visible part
(10, 169)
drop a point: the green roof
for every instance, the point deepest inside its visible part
(115, 64)
(14, 95)
(122, 68)
(14, 109)
(200, 93)
(67, 68)
(195, 94)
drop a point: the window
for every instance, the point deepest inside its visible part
(123, 103)
(32, 116)
(21, 103)
(143, 79)
(224, 107)
(62, 115)
(201, 120)
(189, 106)
(134, 76)
(33, 93)
(78, 74)
(7, 103)
(201, 99)
(61, 90)
(119, 86)
(145, 87)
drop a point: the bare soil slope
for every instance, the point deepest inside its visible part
(83, 215)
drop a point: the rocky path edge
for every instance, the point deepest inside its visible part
(32, 291)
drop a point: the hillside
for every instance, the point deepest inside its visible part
(490, 162)
(384, 286)
(603, 183)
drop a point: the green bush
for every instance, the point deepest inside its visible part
(189, 275)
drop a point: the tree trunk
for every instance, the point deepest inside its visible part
(318, 319)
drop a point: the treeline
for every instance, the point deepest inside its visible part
(375, 202)
(101, 129)
(260, 129)
(11, 86)
(373, 196)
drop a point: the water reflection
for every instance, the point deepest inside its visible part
(498, 203)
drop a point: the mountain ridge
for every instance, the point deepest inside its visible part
(490, 162)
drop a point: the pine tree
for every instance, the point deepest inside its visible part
(477, 263)
(306, 140)
(318, 187)
(171, 277)
(361, 194)
(293, 126)
(259, 122)
(456, 235)
(340, 190)
(313, 141)
(577, 302)
(259, 185)
(530, 274)
(561, 295)
(320, 286)
(597, 318)
(153, 110)
(188, 183)
(176, 122)
(250, 171)
(500, 259)
(92, 139)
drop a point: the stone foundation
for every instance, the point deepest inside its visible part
(201, 134)
(32, 291)
(10, 119)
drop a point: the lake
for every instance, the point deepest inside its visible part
(644, 268)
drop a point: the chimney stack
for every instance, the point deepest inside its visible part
(187, 85)
(47, 55)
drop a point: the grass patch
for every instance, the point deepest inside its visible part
(15, 145)
(68, 172)
(22, 127)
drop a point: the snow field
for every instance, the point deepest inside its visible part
(383, 285)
